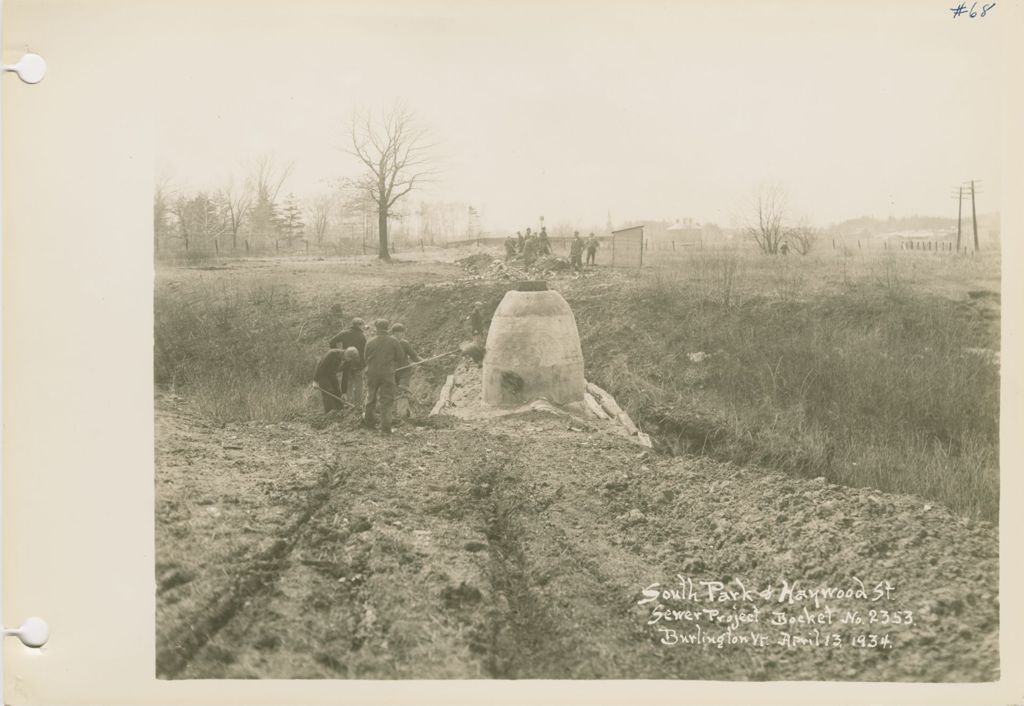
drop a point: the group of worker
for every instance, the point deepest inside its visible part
(375, 373)
(379, 365)
(532, 246)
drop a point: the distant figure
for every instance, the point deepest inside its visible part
(352, 337)
(510, 248)
(543, 244)
(326, 378)
(592, 246)
(531, 249)
(576, 253)
(383, 354)
(476, 322)
(520, 241)
(403, 378)
(784, 249)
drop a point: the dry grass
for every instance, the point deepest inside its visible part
(856, 369)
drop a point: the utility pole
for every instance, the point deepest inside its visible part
(974, 217)
(976, 188)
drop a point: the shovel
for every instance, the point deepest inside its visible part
(427, 360)
(468, 348)
(331, 394)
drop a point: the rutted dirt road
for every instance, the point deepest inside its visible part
(519, 548)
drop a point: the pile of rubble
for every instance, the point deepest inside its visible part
(484, 266)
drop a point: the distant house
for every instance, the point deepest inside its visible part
(679, 234)
(684, 233)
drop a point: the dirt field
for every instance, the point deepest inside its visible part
(521, 547)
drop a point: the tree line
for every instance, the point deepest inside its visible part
(251, 213)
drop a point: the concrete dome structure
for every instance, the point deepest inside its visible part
(533, 349)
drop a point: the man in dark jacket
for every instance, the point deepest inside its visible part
(326, 378)
(592, 246)
(352, 337)
(383, 355)
(543, 243)
(576, 253)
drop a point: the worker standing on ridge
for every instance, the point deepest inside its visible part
(544, 245)
(352, 372)
(530, 248)
(592, 246)
(576, 253)
(383, 353)
(403, 378)
(520, 241)
(326, 378)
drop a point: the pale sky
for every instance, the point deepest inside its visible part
(649, 110)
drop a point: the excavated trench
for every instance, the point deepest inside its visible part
(514, 548)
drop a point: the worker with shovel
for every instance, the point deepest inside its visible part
(352, 370)
(403, 374)
(326, 378)
(383, 355)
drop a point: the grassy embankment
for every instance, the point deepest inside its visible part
(850, 368)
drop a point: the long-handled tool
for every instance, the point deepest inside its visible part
(427, 360)
(331, 394)
(471, 349)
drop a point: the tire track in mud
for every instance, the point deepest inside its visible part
(259, 577)
(518, 627)
(385, 581)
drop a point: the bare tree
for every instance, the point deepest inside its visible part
(395, 152)
(162, 207)
(180, 208)
(802, 237)
(266, 177)
(765, 224)
(197, 217)
(236, 201)
(319, 215)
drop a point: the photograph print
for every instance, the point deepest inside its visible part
(579, 341)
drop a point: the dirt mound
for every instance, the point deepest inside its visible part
(549, 265)
(478, 263)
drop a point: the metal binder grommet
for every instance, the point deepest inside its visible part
(31, 68)
(34, 632)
